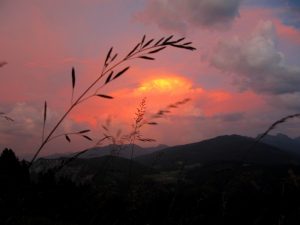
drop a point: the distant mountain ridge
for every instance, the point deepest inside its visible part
(228, 148)
(272, 150)
(123, 151)
(225, 151)
(284, 142)
(91, 169)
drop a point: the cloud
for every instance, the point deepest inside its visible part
(27, 119)
(291, 16)
(257, 64)
(230, 117)
(287, 10)
(290, 33)
(288, 101)
(24, 133)
(177, 15)
(210, 112)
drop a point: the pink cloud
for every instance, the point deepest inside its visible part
(286, 32)
(43, 42)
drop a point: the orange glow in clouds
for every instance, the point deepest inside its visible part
(171, 84)
(161, 91)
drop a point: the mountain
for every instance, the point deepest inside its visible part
(223, 151)
(229, 148)
(92, 169)
(121, 151)
(225, 180)
(283, 142)
(116, 150)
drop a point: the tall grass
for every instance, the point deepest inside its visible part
(2, 63)
(275, 124)
(120, 141)
(145, 49)
(6, 117)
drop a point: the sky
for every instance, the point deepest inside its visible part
(244, 75)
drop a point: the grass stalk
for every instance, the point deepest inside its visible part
(140, 51)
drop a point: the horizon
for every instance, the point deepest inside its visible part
(154, 145)
(244, 75)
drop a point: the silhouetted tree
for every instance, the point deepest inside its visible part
(12, 171)
(14, 180)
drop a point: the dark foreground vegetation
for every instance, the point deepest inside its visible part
(102, 191)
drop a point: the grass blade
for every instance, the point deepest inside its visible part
(105, 96)
(148, 43)
(9, 118)
(133, 50)
(121, 72)
(67, 138)
(114, 57)
(179, 40)
(87, 137)
(44, 120)
(159, 41)
(168, 39)
(152, 123)
(3, 64)
(108, 55)
(157, 50)
(108, 79)
(147, 57)
(184, 47)
(73, 78)
(146, 139)
(275, 124)
(45, 111)
(84, 131)
(143, 40)
(73, 83)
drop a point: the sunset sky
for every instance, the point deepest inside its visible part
(244, 75)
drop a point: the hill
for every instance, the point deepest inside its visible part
(92, 170)
(229, 148)
(284, 142)
(123, 151)
(224, 180)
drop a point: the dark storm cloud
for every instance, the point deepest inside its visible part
(288, 10)
(229, 117)
(291, 16)
(257, 64)
(180, 15)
